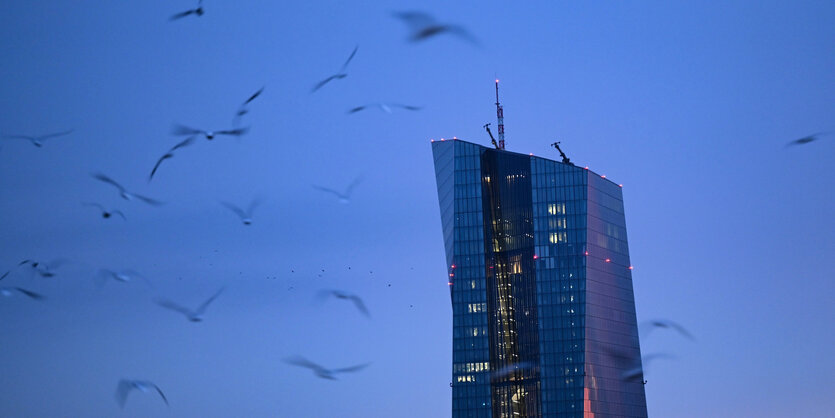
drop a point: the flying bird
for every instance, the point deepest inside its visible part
(38, 140)
(122, 276)
(106, 214)
(663, 323)
(807, 139)
(198, 12)
(192, 315)
(423, 26)
(344, 197)
(9, 291)
(43, 269)
(246, 216)
(346, 296)
(123, 192)
(243, 110)
(385, 107)
(339, 75)
(125, 386)
(181, 130)
(320, 371)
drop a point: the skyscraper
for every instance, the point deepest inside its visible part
(541, 285)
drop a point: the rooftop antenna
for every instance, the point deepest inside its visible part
(500, 116)
(565, 159)
(493, 140)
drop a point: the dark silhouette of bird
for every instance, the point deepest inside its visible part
(192, 315)
(423, 26)
(807, 139)
(664, 323)
(126, 386)
(243, 109)
(344, 197)
(339, 75)
(123, 192)
(105, 213)
(321, 371)
(38, 140)
(197, 12)
(9, 291)
(386, 107)
(358, 303)
(44, 269)
(181, 130)
(245, 215)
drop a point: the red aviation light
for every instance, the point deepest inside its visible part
(630, 267)
(449, 283)
(451, 274)
(535, 256)
(431, 140)
(587, 253)
(608, 260)
(587, 167)
(603, 176)
(453, 266)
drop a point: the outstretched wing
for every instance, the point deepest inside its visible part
(360, 305)
(255, 95)
(349, 58)
(325, 189)
(238, 211)
(303, 362)
(94, 205)
(123, 388)
(255, 203)
(31, 294)
(183, 14)
(350, 188)
(320, 84)
(156, 166)
(352, 368)
(415, 20)
(186, 142)
(184, 130)
(233, 132)
(57, 134)
(108, 180)
(148, 200)
(167, 304)
(202, 308)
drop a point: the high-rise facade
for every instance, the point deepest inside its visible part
(544, 318)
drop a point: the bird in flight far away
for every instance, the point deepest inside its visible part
(339, 75)
(321, 371)
(38, 140)
(192, 315)
(125, 386)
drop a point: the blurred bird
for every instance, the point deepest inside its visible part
(123, 276)
(321, 371)
(243, 110)
(198, 12)
(386, 107)
(125, 386)
(344, 197)
(246, 216)
(181, 130)
(807, 139)
(340, 75)
(663, 323)
(9, 291)
(106, 214)
(423, 26)
(123, 192)
(5, 274)
(193, 316)
(637, 372)
(38, 140)
(345, 296)
(44, 269)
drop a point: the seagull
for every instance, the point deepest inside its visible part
(106, 214)
(198, 11)
(123, 192)
(38, 140)
(346, 296)
(193, 316)
(344, 197)
(8, 291)
(321, 371)
(125, 386)
(340, 75)
(638, 371)
(181, 130)
(423, 26)
(246, 216)
(43, 269)
(386, 107)
(807, 139)
(663, 323)
(123, 276)
(242, 110)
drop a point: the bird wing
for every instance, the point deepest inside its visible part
(5, 274)
(360, 305)
(357, 109)
(26, 137)
(44, 137)
(414, 19)
(148, 200)
(351, 369)
(119, 212)
(108, 180)
(156, 166)
(256, 94)
(31, 294)
(326, 81)
(325, 189)
(462, 33)
(94, 205)
(354, 184)
(255, 203)
(183, 14)
(123, 388)
(233, 132)
(164, 399)
(303, 362)
(202, 308)
(184, 130)
(165, 303)
(186, 142)
(238, 211)
(407, 107)
(349, 58)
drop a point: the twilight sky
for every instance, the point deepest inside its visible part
(689, 105)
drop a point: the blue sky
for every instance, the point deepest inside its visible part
(688, 104)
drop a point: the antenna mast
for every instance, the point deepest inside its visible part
(500, 117)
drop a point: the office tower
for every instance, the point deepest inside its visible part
(540, 280)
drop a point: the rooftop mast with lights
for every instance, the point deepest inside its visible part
(500, 117)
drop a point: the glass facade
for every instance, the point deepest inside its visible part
(543, 312)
